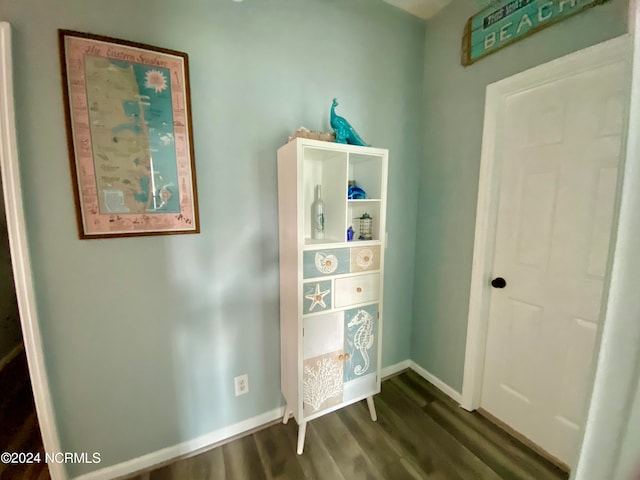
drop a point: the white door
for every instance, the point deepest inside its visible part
(561, 148)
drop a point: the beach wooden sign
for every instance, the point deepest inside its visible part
(507, 21)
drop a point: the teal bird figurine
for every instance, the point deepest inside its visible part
(345, 133)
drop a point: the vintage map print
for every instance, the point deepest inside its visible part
(130, 139)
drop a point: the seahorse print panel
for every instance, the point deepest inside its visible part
(365, 258)
(360, 341)
(322, 382)
(317, 296)
(320, 263)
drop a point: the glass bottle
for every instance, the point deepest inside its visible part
(317, 216)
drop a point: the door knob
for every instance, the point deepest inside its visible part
(498, 282)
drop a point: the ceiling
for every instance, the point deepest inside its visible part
(420, 8)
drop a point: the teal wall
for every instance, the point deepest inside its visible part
(454, 110)
(629, 464)
(143, 336)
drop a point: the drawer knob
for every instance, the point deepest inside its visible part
(346, 356)
(341, 357)
(359, 290)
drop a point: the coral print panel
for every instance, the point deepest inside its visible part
(322, 382)
(320, 263)
(317, 296)
(360, 339)
(365, 259)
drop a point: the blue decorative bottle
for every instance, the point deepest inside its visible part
(354, 192)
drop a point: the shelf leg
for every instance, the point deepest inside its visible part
(302, 431)
(287, 412)
(372, 409)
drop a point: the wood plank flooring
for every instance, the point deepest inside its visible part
(420, 434)
(19, 429)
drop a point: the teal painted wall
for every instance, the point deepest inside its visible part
(629, 464)
(454, 111)
(142, 337)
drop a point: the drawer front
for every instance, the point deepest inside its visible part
(365, 259)
(316, 296)
(320, 263)
(356, 289)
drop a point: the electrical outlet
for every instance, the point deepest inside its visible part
(242, 384)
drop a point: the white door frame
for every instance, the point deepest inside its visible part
(605, 53)
(21, 259)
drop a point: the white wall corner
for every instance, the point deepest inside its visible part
(436, 382)
(394, 369)
(424, 9)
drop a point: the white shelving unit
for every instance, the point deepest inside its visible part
(331, 290)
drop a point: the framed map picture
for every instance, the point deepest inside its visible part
(130, 140)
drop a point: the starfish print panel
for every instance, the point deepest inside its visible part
(317, 295)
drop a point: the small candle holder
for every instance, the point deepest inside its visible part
(366, 223)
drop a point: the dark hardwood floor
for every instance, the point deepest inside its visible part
(420, 434)
(19, 429)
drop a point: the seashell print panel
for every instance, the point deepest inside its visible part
(320, 263)
(365, 258)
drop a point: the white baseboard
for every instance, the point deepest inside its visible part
(446, 389)
(223, 435)
(191, 447)
(393, 369)
(17, 350)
